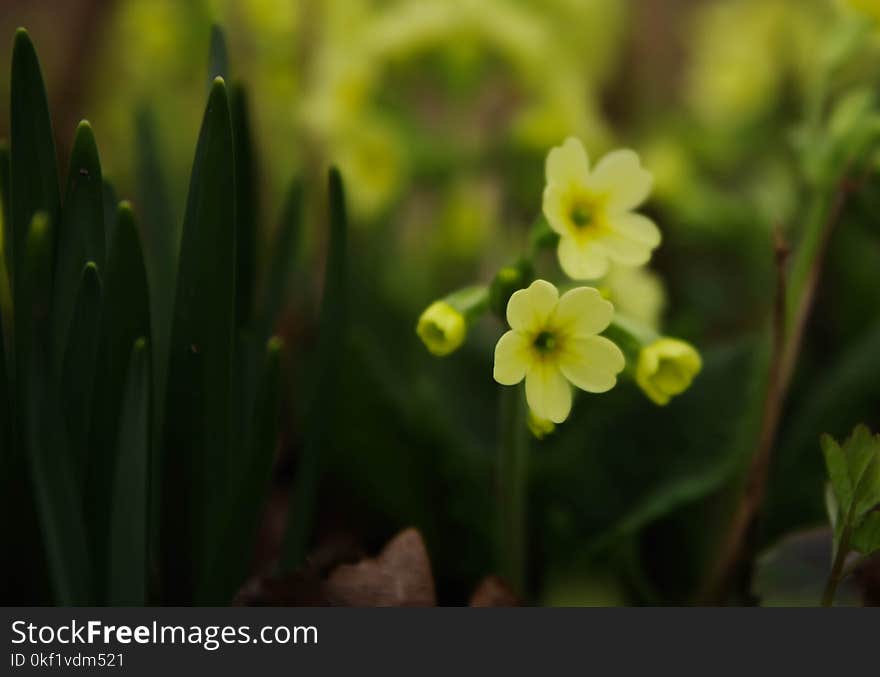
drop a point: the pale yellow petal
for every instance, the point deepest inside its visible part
(511, 358)
(621, 177)
(623, 250)
(636, 227)
(581, 260)
(547, 392)
(555, 206)
(592, 363)
(582, 312)
(528, 309)
(567, 163)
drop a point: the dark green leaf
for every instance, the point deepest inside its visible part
(78, 371)
(33, 165)
(218, 56)
(197, 413)
(111, 203)
(81, 236)
(54, 489)
(246, 204)
(127, 566)
(331, 341)
(126, 316)
(282, 259)
(5, 213)
(161, 234)
(251, 472)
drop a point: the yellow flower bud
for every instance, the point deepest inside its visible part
(666, 368)
(442, 328)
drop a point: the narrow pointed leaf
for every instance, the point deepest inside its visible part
(282, 258)
(253, 471)
(78, 371)
(33, 164)
(5, 213)
(111, 203)
(126, 317)
(52, 485)
(203, 325)
(331, 342)
(218, 56)
(128, 557)
(246, 205)
(81, 236)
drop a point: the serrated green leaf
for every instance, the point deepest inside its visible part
(34, 177)
(282, 259)
(81, 236)
(838, 471)
(128, 537)
(218, 56)
(866, 535)
(246, 205)
(126, 317)
(78, 369)
(204, 316)
(332, 331)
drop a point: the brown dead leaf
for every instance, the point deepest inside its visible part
(493, 591)
(399, 576)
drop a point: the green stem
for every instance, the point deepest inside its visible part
(836, 574)
(512, 487)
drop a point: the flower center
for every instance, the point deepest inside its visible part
(582, 215)
(546, 342)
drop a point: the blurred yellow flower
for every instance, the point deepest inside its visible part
(553, 343)
(870, 8)
(592, 210)
(666, 368)
(638, 293)
(442, 328)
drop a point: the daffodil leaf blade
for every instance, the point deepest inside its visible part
(33, 165)
(197, 412)
(331, 340)
(57, 498)
(6, 237)
(218, 56)
(81, 236)
(252, 471)
(246, 204)
(125, 318)
(129, 495)
(283, 254)
(79, 366)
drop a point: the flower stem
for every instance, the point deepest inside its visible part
(837, 570)
(512, 487)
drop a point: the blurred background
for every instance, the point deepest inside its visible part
(440, 114)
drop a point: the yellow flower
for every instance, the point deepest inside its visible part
(442, 328)
(553, 342)
(539, 427)
(592, 210)
(666, 368)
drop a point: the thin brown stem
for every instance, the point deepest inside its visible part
(786, 337)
